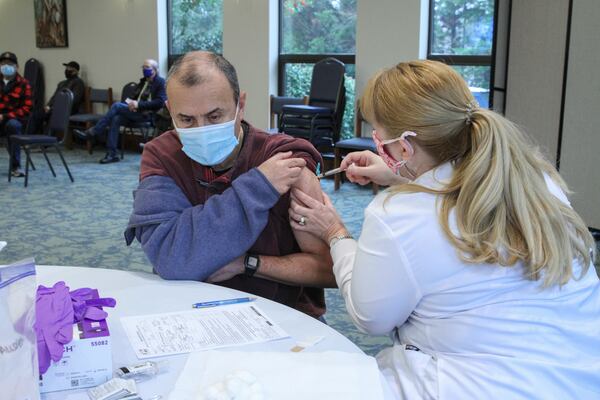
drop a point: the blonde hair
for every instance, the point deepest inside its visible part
(504, 210)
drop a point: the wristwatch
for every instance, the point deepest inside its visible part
(251, 264)
(337, 238)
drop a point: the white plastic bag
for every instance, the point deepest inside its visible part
(18, 346)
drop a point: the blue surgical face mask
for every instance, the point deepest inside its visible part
(147, 72)
(8, 70)
(210, 144)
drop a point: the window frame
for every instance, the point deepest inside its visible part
(301, 58)
(477, 60)
(170, 56)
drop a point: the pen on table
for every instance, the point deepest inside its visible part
(225, 302)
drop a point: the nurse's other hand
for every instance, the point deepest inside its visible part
(364, 167)
(282, 171)
(310, 215)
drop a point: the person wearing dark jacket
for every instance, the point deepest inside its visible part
(74, 83)
(15, 105)
(149, 98)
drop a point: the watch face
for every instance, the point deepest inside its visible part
(252, 262)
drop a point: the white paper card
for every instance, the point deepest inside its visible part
(200, 329)
(331, 375)
(116, 388)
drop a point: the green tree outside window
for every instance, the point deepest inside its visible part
(196, 25)
(310, 27)
(465, 28)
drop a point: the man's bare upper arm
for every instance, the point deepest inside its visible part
(310, 185)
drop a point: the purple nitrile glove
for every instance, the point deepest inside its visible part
(54, 323)
(85, 306)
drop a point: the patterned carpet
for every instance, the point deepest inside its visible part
(82, 223)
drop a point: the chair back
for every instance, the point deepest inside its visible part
(277, 103)
(97, 96)
(327, 83)
(35, 76)
(61, 112)
(34, 73)
(129, 91)
(101, 95)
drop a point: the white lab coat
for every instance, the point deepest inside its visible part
(465, 331)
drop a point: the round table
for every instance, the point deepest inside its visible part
(142, 293)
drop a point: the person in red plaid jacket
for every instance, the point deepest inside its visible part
(15, 105)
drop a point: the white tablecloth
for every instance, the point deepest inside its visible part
(142, 293)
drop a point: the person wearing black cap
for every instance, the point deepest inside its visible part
(15, 105)
(74, 83)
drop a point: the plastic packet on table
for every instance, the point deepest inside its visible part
(18, 348)
(117, 389)
(141, 371)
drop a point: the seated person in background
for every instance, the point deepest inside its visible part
(74, 83)
(212, 203)
(150, 97)
(15, 105)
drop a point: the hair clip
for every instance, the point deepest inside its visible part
(471, 106)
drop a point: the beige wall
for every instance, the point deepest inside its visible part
(580, 154)
(109, 38)
(535, 90)
(535, 68)
(250, 44)
(388, 32)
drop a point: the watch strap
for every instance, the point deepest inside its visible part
(251, 264)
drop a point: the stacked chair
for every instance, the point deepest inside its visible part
(320, 120)
(59, 122)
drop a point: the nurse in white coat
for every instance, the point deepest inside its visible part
(473, 259)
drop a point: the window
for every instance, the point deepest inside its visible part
(309, 31)
(194, 25)
(461, 34)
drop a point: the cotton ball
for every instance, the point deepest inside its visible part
(256, 388)
(244, 393)
(223, 396)
(256, 392)
(245, 376)
(234, 385)
(216, 392)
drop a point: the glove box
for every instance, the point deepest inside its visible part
(86, 362)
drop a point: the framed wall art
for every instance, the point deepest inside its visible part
(51, 23)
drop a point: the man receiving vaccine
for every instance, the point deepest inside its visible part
(212, 203)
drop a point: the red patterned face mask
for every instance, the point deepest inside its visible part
(389, 160)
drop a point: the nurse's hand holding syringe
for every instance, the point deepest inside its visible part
(364, 167)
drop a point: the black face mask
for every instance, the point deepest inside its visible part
(70, 74)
